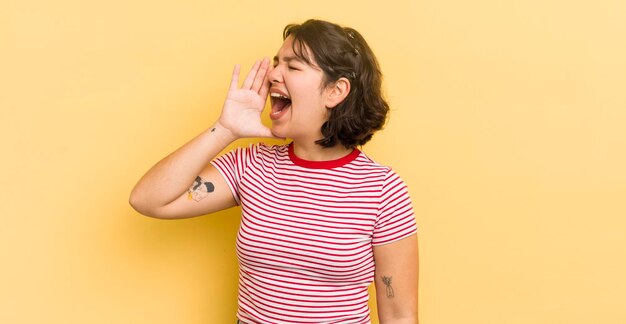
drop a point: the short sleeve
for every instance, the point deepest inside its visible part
(395, 219)
(233, 165)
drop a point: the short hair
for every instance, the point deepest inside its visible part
(343, 52)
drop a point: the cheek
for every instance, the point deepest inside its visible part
(310, 107)
(306, 96)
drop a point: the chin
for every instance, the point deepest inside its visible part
(279, 132)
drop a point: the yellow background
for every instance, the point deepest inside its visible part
(508, 124)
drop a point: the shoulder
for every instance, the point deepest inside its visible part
(262, 151)
(261, 146)
(364, 162)
(387, 175)
(270, 150)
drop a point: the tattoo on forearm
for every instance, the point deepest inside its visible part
(200, 189)
(387, 282)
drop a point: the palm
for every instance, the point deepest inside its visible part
(242, 111)
(243, 106)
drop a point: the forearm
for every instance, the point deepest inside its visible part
(403, 320)
(397, 274)
(172, 176)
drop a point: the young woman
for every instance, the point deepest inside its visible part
(320, 220)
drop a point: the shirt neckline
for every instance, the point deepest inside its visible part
(322, 164)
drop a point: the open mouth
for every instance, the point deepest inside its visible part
(280, 104)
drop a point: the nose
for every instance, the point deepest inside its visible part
(275, 76)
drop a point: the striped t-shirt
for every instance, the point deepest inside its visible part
(307, 230)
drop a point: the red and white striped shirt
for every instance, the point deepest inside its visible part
(307, 230)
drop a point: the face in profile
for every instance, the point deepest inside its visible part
(297, 96)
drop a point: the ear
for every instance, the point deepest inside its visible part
(337, 92)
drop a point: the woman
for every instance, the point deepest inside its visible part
(320, 220)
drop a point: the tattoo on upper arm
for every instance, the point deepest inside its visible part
(387, 282)
(200, 189)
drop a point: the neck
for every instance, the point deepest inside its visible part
(314, 152)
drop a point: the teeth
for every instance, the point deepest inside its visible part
(278, 95)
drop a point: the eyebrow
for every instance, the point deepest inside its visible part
(288, 59)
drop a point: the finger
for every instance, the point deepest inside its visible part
(247, 83)
(265, 87)
(234, 80)
(260, 76)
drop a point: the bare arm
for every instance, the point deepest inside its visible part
(162, 192)
(397, 270)
(184, 184)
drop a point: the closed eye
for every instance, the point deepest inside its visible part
(293, 68)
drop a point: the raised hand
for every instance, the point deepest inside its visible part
(243, 106)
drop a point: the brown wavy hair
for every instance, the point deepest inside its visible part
(343, 52)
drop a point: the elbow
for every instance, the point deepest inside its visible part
(140, 205)
(135, 202)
